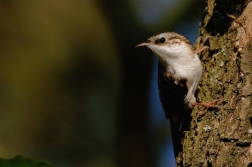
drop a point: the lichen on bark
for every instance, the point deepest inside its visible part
(222, 137)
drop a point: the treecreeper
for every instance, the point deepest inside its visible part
(179, 74)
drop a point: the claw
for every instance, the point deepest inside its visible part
(200, 46)
(211, 104)
(207, 105)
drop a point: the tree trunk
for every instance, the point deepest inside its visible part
(222, 137)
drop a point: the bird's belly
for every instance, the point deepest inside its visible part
(179, 72)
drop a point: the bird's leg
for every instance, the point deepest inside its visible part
(200, 45)
(211, 104)
(207, 105)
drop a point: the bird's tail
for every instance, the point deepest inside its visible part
(175, 123)
(179, 123)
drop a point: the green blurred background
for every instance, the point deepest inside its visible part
(74, 90)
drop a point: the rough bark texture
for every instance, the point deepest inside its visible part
(222, 137)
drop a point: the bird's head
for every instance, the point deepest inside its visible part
(169, 45)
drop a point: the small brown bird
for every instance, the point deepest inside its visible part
(179, 73)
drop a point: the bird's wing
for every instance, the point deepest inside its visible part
(172, 96)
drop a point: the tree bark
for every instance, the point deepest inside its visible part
(222, 137)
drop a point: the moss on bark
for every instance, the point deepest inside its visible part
(222, 137)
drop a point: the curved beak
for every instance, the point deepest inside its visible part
(143, 44)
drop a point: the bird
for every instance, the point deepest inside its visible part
(179, 74)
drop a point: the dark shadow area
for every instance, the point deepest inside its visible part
(220, 21)
(74, 90)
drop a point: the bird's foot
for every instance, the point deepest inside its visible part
(200, 45)
(212, 104)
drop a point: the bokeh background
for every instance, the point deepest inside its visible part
(75, 91)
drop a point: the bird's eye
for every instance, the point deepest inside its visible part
(148, 41)
(162, 40)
